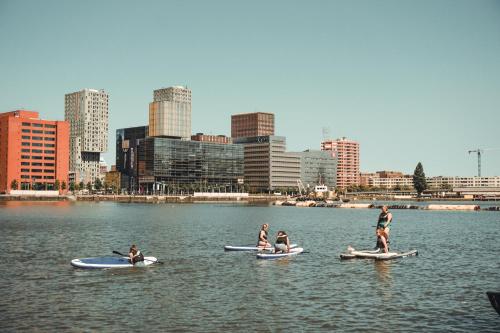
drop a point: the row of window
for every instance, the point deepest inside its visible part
(26, 130)
(38, 151)
(38, 170)
(36, 177)
(38, 125)
(27, 157)
(39, 138)
(38, 164)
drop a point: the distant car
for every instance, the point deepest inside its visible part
(277, 193)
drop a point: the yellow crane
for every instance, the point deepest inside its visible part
(479, 152)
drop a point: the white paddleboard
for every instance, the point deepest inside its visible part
(251, 248)
(376, 254)
(292, 252)
(110, 262)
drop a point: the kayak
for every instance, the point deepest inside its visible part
(376, 254)
(494, 300)
(251, 248)
(292, 252)
(110, 262)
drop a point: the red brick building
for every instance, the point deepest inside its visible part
(347, 153)
(252, 124)
(34, 153)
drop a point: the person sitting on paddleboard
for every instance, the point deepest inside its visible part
(263, 236)
(384, 219)
(135, 255)
(282, 243)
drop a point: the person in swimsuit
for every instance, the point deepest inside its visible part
(135, 255)
(384, 219)
(282, 243)
(263, 242)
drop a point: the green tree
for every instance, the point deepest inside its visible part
(89, 187)
(72, 186)
(81, 186)
(63, 185)
(97, 184)
(57, 185)
(419, 182)
(14, 184)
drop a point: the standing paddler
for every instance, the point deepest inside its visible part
(384, 219)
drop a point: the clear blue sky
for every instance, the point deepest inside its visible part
(410, 80)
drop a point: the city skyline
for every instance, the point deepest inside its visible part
(409, 81)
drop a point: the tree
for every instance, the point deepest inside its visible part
(419, 182)
(89, 186)
(97, 184)
(14, 184)
(63, 185)
(72, 186)
(57, 185)
(81, 186)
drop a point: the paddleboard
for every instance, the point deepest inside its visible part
(292, 252)
(110, 262)
(251, 248)
(376, 254)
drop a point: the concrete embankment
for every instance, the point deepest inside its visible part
(33, 198)
(175, 199)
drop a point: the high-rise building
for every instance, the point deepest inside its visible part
(127, 143)
(267, 165)
(211, 138)
(318, 167)
(170, 113)
(347, 154)
(34, 153)
(87, 113)
(252, 124)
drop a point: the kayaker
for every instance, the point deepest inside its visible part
(263, 242)
(282, 243)
(135, 255)
(384, 219)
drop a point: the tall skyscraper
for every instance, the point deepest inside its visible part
(252, 124)
(87, 113)
(347, 153)
(170, 113)
(33, 152)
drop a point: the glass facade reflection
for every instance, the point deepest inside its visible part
(127, 142)
(173, 165)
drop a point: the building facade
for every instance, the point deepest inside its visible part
(169, 165)
(127, 143)
(211, 138)
(34, 153)
(318, 167)
(462, 182)
(252, 124)
(170, 113)
(267, 165)
(347, 154)
(87, 112)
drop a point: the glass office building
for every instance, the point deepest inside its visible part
(169, 166)
(127, 142)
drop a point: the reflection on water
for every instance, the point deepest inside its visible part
(202, 288)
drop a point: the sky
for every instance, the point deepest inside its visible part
(411, 81)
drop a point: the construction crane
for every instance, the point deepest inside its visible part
(479, 152)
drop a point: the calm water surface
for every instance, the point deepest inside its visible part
(202, 288)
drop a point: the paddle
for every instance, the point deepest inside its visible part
(156, 262)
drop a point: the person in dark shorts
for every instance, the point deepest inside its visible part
(384, 219)
(282, 244)
(135, 255)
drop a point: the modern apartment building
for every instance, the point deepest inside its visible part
(34, 153)
(87, 113)
(127, 143)
(211, 138)
(463, 182)
(267, 165)
(170, 165)
(170, 113)
(347, 154)
(318, 167)
(252, 124)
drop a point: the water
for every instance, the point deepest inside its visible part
(202, 288)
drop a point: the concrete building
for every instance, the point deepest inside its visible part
(463, 182)
(168, 165)
(87, 113)
(318, 168)
(127, 143)
(34, 153)
(347, 154)
(267, 165)
(252, 124)
(211, 138)
(170, 113)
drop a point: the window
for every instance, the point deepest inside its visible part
(25, 137)
(26, 124)
(36, 170)
(49, 158)
(37, 151)
(36, 157)
(25, 144)
(49, 152)
(36, 164)
(25, 170)
(48, 171)
(49, 164)
(36, 138)
(49, 145)
(25, 130)
(26, 157)
(25, 163)
(50, 132)
(50, 139)
(48, 177)
(37, 125)
(25, 176)
(35, 144)
(25, 150)
(37, 131)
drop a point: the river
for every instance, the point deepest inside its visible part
(202, 288)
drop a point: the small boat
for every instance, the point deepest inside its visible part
(494, 300)
(252, 248)
(292, 252)
(376, 254)
(110, 262)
